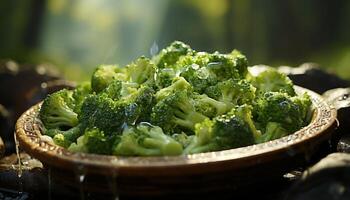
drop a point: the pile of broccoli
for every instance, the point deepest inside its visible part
(179, 102)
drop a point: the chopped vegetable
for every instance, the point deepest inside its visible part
(179, 102)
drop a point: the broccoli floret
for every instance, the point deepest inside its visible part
(199, 77)
(171, 54)
(279, 107)
(232, 92)
(176, 110)
(139, 105)
(209, 106)
(271, 80)
(178, 84)
(164, 77)
(102, 112)
(146, 140)
(60, 140)
(104, 75)
(273, 131)
(114, 89)
(141, 71)
(240, 62)
(93, 141)
(231, 130)
(226, 66)
(57, 110)
(80, 93)
(305, 104)
(64, 138)
(109, 116)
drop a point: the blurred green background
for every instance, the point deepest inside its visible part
(78, 35)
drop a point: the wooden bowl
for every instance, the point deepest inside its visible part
(202, 173)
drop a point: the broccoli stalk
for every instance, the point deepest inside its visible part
(145, 140)
(209, 106)
(57, 110)
(64, 138)
(273, 131)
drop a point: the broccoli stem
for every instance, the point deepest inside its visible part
(220, 107)
(166, 146)
(65, 116)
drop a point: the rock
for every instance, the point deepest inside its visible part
(340, 99)
(309, 75)
(344, 144)
(327, 180)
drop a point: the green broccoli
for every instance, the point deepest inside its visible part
(183, 138)
(279, 107)
(199, 77)
(273, 131)
(164, 77)
(273, 81)
(114, 89)
(141, 71)
(146, 140)
(93, 141)
(176, 110)
(109, 115)
(66, 137)
(179, 102)
(80, 93)
(232, 92)
(203, 69)
(102, 112)
(178, 84)
(209, 106)
(226, 66)
(139, 105)
(305, 104)
(232, 130)
(57, 110)
(240, 62)
(171, 54)
(104, 75)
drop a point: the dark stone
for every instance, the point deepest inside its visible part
(340, 99)
(310, 76)
(327, 180)
(344, 144)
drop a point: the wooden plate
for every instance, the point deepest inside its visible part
(205, 172)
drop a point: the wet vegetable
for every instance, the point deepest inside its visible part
(179, 102)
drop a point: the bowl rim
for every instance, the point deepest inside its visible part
(29, 128)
